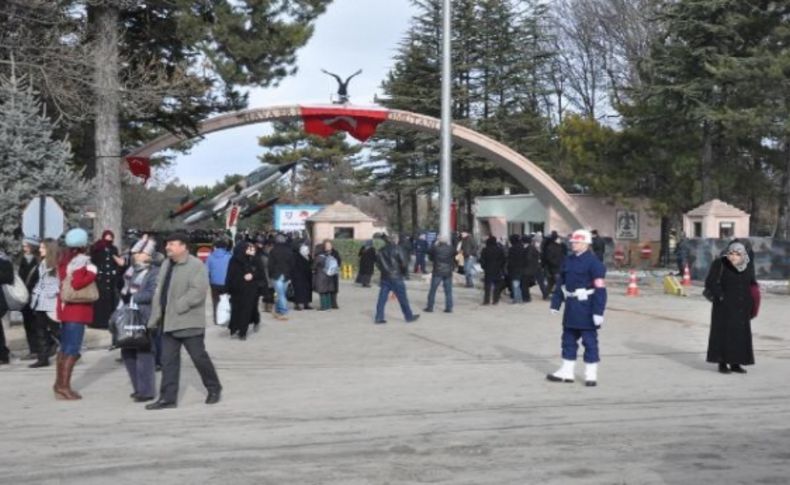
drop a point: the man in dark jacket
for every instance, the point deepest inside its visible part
(598, 245)
(28, 262)
(442, 255)
(393, 265)
(281, 265)
(553, 255)
(492, 259)
(6, 278)
(516, 264)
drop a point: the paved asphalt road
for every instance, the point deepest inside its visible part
(329, 398)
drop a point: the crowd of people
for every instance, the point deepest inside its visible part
(73, 284)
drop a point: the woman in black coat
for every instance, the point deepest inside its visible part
(243, 285)
(302, 278)
(729, 284)
(104, 255)
(367, 264)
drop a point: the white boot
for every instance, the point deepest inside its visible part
(564, 373)
(591, 375)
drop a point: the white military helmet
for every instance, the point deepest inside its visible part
(582, 236)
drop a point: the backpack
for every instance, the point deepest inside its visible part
(16, 294)
(330, 266)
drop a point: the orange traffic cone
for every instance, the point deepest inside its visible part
(686, 276)
(633, 289)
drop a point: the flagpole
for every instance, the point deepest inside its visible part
(445, 167)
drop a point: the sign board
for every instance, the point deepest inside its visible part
(626, 224)
(291, 218)
(43, 218)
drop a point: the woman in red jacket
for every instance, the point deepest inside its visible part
(75, 316)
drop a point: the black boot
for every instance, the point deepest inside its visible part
(737, 369)
(724, 369)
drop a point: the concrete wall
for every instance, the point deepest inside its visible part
(597, 211)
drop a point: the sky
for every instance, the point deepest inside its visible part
(351, 35)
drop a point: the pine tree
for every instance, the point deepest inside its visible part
(33, 162)
(329, 168)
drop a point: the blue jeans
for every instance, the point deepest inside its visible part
(71, 335)
(419, 266)
(515, 288)
(398, 287)
(447, 282)
(468, 270)
(280, 286)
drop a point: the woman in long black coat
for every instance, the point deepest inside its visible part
(104, 255)
(302, 278)
(367, 264)
(243, 284)
(729, 284)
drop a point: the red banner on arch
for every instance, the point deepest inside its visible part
(326, 121)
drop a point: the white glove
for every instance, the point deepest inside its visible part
(553, 311)
(598, 320)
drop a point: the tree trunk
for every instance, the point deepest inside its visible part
(783, 224)
(706, 162)
(109, 203)
(470, 216)
(413, 200)
(398, 211)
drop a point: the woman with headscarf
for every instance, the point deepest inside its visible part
(302, 277)
(138, 290)
(104, 255)
(728, 284)
(323, 281)
(243, 284)
(367, 264)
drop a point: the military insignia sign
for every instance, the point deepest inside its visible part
(626, 224)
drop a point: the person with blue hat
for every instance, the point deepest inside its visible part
(76, 270)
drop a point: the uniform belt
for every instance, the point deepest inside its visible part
(579, 293)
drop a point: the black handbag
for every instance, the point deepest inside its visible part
(707, 292)
(131, 330)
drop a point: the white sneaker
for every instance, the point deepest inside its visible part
(564, 373)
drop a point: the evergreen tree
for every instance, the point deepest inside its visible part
(329, 168)
(34, 163)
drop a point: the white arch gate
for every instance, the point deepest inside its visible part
(562, 210)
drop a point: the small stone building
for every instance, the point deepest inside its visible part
(341, 221)
(717, 220)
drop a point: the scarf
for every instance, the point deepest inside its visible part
(133, 278)
(739, 249)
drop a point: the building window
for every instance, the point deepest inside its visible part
(535, 227)
(726, 230)
(515, 228)
(697, 229)
(344, 233)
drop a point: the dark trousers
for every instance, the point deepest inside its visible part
(28, 320)
(552, 275)
(540, 278)
(216, 291)
(447, 282)
(141, 368)
(47, 335)
(398, 287)
(171, 365)
(495, 286)
(5, 354)
(570, 344)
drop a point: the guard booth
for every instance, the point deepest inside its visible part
(716, 220)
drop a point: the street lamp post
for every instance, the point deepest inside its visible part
(445, 167)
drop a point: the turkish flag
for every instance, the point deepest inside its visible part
(326, 121)
(140, 167)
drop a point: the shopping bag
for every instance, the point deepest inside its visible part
(130, 329)
(223, 310)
